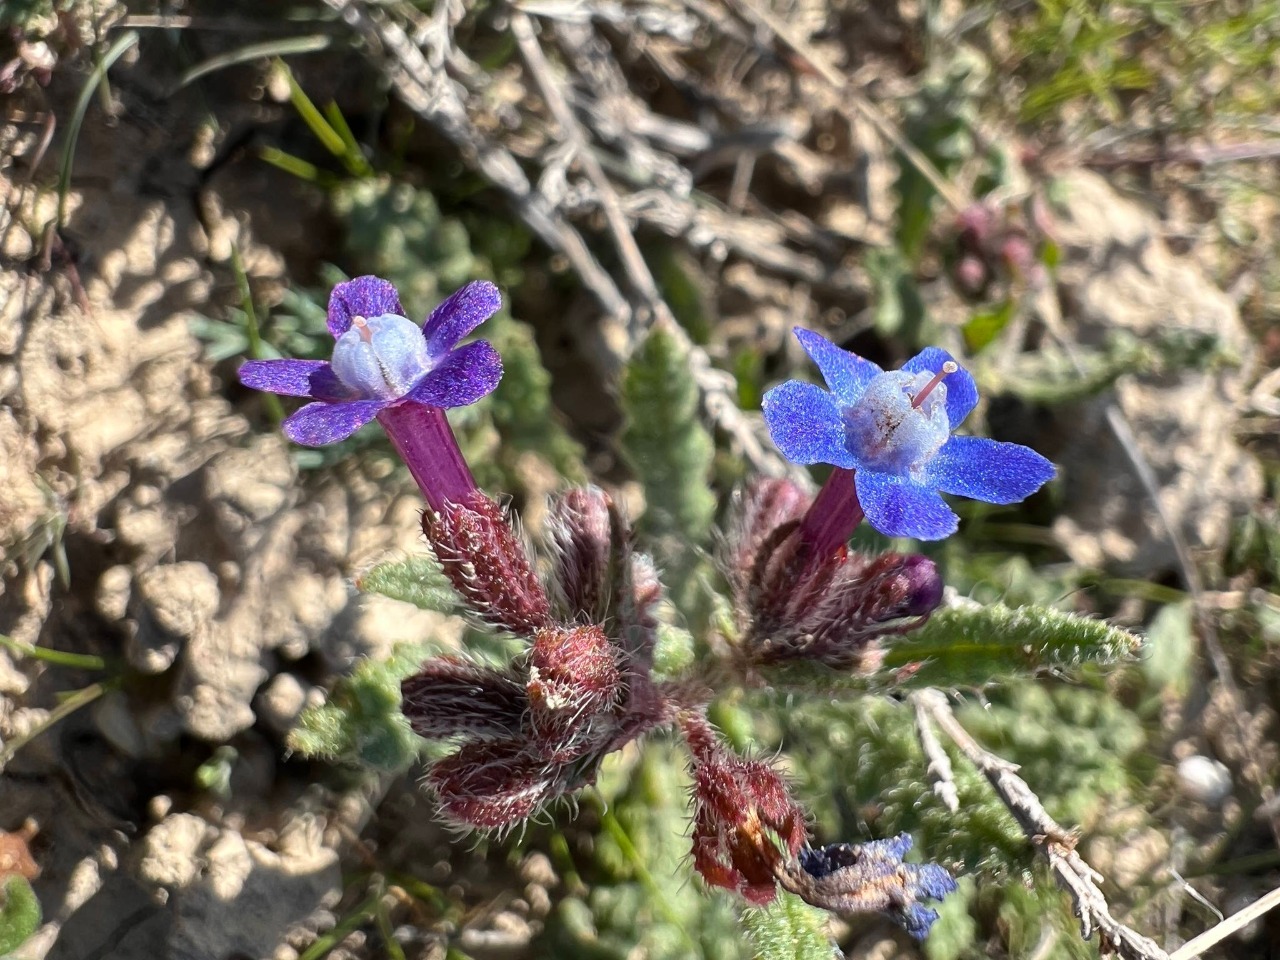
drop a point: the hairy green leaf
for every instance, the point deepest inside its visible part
(361, 722)
(789, 929)
(417, 580)
(971, 645)
(667, 446)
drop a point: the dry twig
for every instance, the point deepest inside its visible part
(1045, 834)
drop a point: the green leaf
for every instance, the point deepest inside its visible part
(1172, 645)
(664, 442)
(971, 646)
(788, 929)
(983, 328)
(19, 914)
(418, 580)
(361, 722)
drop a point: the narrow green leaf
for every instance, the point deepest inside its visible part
(976, 645)
(417, 580)
(99, 75)
(284, 47)
(19, 913)
(788, 929)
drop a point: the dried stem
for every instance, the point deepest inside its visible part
(1045, 834)
(939, 770)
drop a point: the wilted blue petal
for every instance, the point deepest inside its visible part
(319, 424)
(459, 315)
(872, 878)
(805, 424)
(292, 378)
(962, 392)
(989, 470)
(847, 374)
(361, 297)
(382, 357)
(463, 377)
(917, 920)
(899, 507)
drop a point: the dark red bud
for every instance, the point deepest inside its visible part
(746, 826)
(788, 580)
(1017, 254)
(764, 506)
(974, 225)
(637, 614)
(589, 541)
(450, 696)
(573, 677)
(491, 784)
(970, 274)
(863, 599)
(485, 560)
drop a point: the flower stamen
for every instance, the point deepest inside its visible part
(362, 325)
(948, 368)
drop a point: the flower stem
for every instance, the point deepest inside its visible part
(834, 514)
(425, 441)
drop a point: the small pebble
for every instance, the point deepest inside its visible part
(1204, 780)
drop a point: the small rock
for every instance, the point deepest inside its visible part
(280, 703)
(1204, 780)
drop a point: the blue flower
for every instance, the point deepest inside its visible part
(893, 429)
(383, 360)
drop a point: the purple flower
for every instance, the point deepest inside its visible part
(382, 360)
(893, 429)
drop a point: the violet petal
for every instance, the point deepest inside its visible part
(290, 378)
(899, 508)
(464, 376)
(988, 470)
(361, 297)
(847, 374)
(319, 424)
(457, 316)
(805, 424)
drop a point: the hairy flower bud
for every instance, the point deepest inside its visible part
(637, 615)
(870, 878)
(788, 578)
(865, 598)
(746, 827)
(765, 505)
(449, 696)
(573, 678)
(589, 544)
(492, 784)
(485, 560)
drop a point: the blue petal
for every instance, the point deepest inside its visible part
(461, 313)
(897, 507)
(465, 375)
(847, 374)
(291, 378)
(962, 392)
(989, 470)
(806, 425)
(320, 424)
(361, 297)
